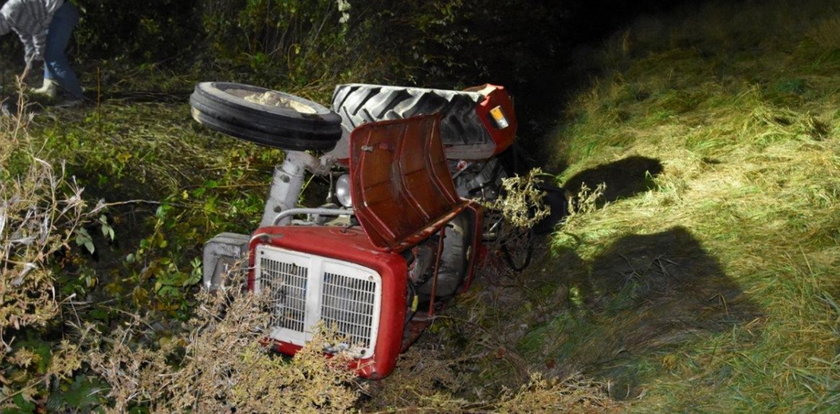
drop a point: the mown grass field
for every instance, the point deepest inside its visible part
(706, 276)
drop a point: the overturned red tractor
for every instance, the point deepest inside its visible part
(410, 171)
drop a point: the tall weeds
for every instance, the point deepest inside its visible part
(40, 210)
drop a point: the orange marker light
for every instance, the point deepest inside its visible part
(499, 117)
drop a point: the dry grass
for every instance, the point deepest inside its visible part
(40, 210)
(826, 32)
(521, 203)
(433, 381)
(573, 394)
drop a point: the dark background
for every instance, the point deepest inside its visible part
(527, 46)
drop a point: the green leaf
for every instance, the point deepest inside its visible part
(107, 230)
(161, 211)
(83, 239)
(81, 395)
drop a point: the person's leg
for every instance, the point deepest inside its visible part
(56, 65)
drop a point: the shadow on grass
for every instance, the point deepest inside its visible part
(623, 178)
(644, 298)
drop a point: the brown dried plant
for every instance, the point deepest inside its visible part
(40, 210)
(218, 365)
(574, 394)
(428, 381)
(521, 203)
(587, 199)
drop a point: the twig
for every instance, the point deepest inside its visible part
(120, 203)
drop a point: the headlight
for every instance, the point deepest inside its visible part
(342, 191)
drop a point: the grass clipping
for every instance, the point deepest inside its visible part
(220, 365)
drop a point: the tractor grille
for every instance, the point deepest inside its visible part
(286, 285)
(348, 304)
(305, 290)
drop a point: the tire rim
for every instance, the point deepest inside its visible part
(270, 98)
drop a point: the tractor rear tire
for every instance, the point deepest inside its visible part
(359, 104)
(264, 116)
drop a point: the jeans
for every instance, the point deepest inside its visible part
(56, 65)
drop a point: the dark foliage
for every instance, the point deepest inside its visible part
(143, 31)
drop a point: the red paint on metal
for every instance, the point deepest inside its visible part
(350, 245)
(497, 96)
(402, 189)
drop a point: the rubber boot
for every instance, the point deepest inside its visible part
(48, 89)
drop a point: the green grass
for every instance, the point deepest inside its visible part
(172, 185)
(717, 290)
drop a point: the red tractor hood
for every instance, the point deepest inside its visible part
(401, 187)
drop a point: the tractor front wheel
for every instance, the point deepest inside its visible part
(265, 116)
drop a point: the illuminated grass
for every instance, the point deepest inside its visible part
(707, 280)
(717, 289)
